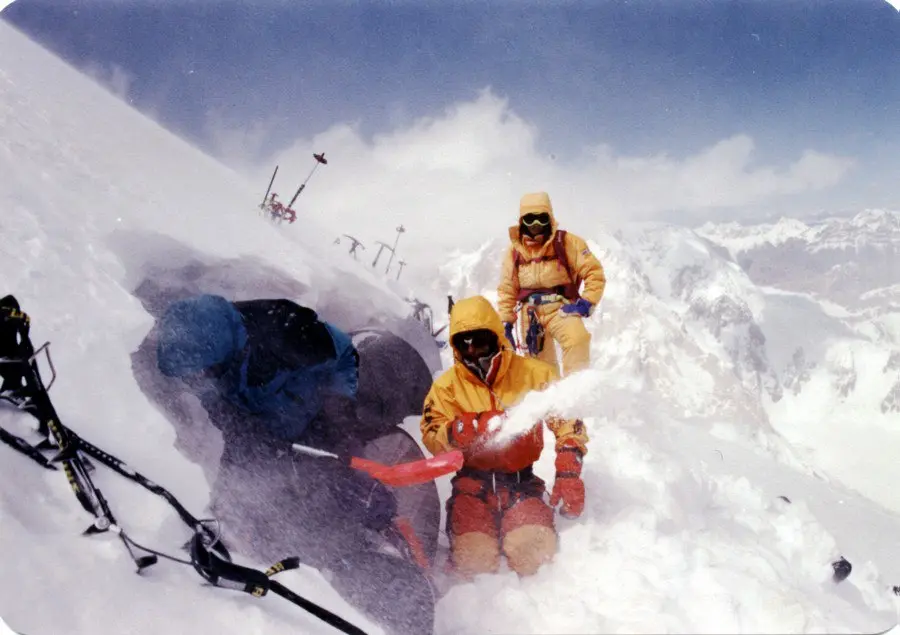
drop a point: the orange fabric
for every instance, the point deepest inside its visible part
(469, 431)
(570, 491)
(405, 528)
(531, 274)
(525, 513)
(568, 461)
(475, 504)
(496, 508)
(517, 455)
(465, 430)
(568, 487)
(468, 514)
(491, 518)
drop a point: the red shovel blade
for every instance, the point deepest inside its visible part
(412, 473)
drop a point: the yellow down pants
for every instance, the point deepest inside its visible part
(568, 330)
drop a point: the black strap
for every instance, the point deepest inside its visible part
(223, 573)
(21, 445)
(24, 388)
(504, 477)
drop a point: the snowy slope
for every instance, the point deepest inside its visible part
(95, 198)
(684, 370)
(683, 530)
(832, 322)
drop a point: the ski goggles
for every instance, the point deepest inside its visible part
(479, 340)
(542, 218)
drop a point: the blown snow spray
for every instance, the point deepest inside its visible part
(572, 397)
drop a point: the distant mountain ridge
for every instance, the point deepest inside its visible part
(757, 330)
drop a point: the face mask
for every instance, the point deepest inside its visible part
(477, 350)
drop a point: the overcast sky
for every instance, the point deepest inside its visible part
(681, 109)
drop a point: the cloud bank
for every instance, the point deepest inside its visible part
(464, 170)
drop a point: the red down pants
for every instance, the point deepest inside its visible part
(490, 514)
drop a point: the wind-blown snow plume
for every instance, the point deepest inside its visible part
(573, 397)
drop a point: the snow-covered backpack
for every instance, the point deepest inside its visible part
(568, 291)
(272, 358)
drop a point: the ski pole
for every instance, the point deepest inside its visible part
(269, 189)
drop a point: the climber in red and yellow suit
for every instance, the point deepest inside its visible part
(497, 503)
(543, 271)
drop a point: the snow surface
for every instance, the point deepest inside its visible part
(683, 529)
(832, 326)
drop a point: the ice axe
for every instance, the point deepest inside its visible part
(320, 160)
(400, 474)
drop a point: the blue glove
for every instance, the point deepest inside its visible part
(581, 308)
(508, 330)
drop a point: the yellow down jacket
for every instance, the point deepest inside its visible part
(539, 268)
(458, 390)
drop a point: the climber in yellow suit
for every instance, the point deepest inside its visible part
(544, 271)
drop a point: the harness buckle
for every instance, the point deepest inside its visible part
(539, 299)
